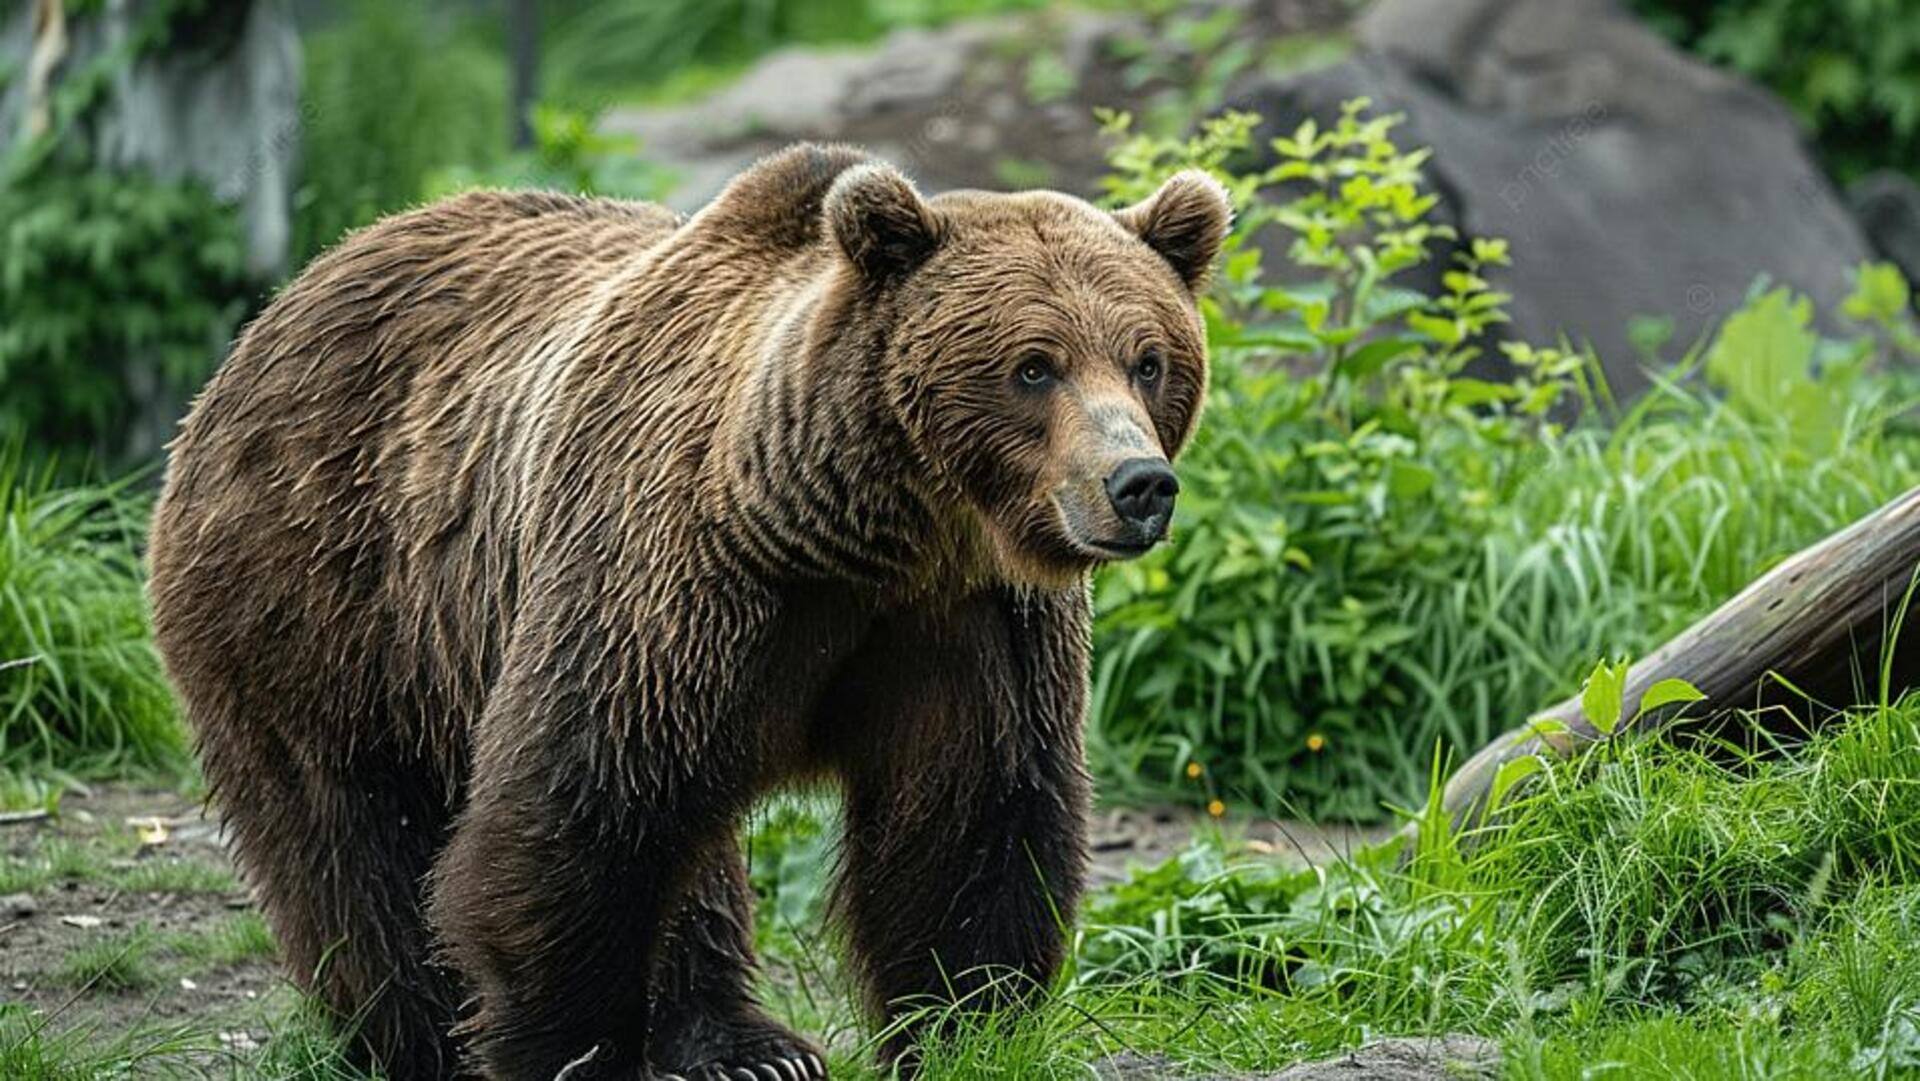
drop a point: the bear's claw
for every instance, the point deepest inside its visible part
(803, 1067)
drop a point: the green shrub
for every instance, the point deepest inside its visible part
(569, 154)
(81, 689)
(390, 96)
(1850, 70)
(1377, 553)
(117, 288)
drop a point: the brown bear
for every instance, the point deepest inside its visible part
(524, 541)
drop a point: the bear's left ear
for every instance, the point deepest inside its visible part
(880, 221)
(1185, 221)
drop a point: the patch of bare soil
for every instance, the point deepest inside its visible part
(123, 910)
(1125, 837)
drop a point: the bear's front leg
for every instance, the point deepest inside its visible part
(707, 1024)
(553, 897)
(967, 802)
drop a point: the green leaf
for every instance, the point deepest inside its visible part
(1667, 692)
(1444, 331)
(1548, 726)
(1407, 480)
(1603, 697)
(1764, 352)
(1510, 774)
(1371, 357)
(1880, 294)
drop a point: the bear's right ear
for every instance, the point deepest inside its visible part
(880, 221)
(1186, 221)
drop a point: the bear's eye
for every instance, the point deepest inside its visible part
(1035, 371)
(1148, 369)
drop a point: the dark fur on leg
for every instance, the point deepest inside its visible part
(707, 1025)
(966, 842)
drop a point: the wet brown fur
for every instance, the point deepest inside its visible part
(525, 540)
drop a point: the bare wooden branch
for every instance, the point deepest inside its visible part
(1811, 628)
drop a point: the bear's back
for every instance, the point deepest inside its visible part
(345, 459)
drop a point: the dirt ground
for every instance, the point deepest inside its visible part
(123, 910)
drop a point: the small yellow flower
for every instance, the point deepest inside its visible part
(1316, 742)
(1194, 770)
(1216, 808)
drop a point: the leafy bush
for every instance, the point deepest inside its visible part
(119, 290)
(80, 684)
(569, 154)
(390, 96)
(601, 49)
(114, 287)
(1378, 551)
(1851, 70)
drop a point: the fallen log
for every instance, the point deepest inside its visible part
(1805, 636)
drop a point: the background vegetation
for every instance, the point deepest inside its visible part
(1851, 70)
(1385, 555)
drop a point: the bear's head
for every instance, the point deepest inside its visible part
(1046, 359)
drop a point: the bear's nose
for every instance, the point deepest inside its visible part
(1142, 490)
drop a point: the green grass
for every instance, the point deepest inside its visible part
(1739, 916)
(1651, 910)
(83, 693)
(143, 958)
(299, 1047)
(109, 859)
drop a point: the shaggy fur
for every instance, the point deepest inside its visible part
(524, 541)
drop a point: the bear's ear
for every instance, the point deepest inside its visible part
(1185, 221)
(880, 221)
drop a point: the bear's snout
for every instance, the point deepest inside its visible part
(1142, 491)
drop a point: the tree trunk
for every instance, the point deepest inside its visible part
(1808, 631)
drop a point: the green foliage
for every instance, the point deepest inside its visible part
(390, 96)
(1345, 457)
(1646, 888)
(113, 286)
(1379, 548)
(789, 857)
(570, 155)
(119, 289)
(81, 688)
(599, 50)
(1851, 70)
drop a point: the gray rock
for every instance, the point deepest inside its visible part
(1402, 1058)
(955, 106)
(17, 905)
(1630, 178)
(939, 103)
(221, 106)
(1887, 205)
(1405, 1058)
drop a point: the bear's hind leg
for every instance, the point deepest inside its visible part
(706, 1022)
(337, 858)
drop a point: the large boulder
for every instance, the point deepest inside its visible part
(990, 103)
(1887, 203)
(1630, 178)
